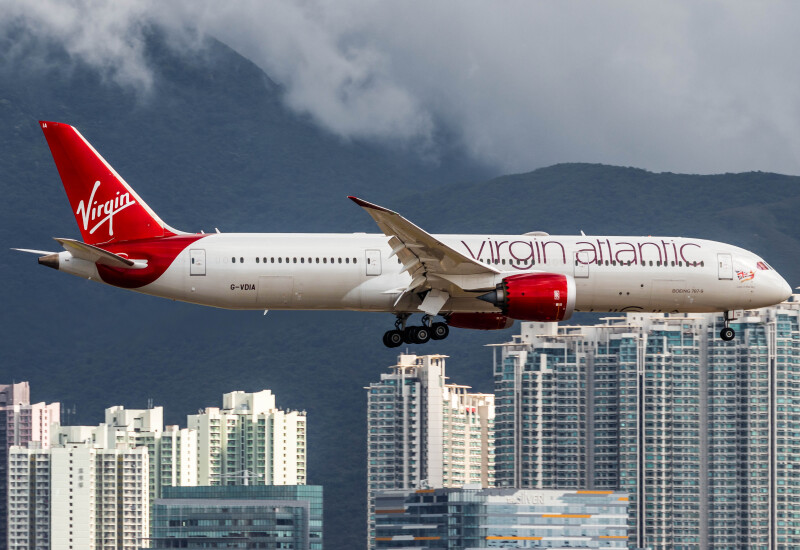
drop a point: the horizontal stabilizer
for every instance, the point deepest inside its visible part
(93, 254)
(31, 251)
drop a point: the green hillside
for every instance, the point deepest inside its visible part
(213, 145)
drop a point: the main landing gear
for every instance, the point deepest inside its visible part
(403, 334)
(727, 333)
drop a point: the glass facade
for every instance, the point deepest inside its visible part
(500, 518)
(254, 516)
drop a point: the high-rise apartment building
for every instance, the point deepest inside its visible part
(21, 423)
(93, 486)
(78, 496)
(250, 439)
(425, 432)
(172, 452)
(702, 433)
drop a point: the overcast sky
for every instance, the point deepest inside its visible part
(695, 87)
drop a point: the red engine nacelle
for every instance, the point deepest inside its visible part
(535, 296)
(479, 321)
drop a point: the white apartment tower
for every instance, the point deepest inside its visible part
(250, 441)
(78, 496)
(21, 423)
(423, 432)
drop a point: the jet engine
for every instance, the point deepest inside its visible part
(534, 296)
(479, 321)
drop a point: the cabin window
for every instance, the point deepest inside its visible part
(651, 262)
(256, 259)
(355, 261)
(672, 263)
(332, 260)
(265, 259)
(347, 260)
(309, 260)
(241, 260)
(702, 263)
(302, 260)
(233, 259)
(294, 260)
(340, 260)
(272, 260)
(280, 260)
(324, 260)
(287, 260)
(317, 260)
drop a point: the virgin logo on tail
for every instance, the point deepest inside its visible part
(105, 211)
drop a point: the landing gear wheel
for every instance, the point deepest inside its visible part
(410, 335)
(393, 338)
(423, 335)
(727, 334)
(439, 331)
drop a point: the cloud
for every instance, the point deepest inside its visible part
(679, 86)
(107, 35)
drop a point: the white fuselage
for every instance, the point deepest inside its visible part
(358, 272)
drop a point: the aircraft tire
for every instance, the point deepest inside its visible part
(410, 335)
(727, 334)
(423, 335)
(439, 331)
(393, 338)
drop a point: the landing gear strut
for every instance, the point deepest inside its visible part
(414, 334)
(727, 333)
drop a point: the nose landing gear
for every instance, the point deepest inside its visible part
(727, 333)
(414, 334)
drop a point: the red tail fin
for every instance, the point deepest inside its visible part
(106, 208)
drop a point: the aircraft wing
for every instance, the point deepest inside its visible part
(431, 263)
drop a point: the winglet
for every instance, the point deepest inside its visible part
(365, 204)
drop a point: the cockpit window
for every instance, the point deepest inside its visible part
(763, 266)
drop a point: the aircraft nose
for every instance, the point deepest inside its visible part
(780, 290)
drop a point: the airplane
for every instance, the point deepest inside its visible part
(481, 282)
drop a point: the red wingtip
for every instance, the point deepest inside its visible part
(365, 204)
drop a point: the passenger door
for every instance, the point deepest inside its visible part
(725, 265)
(197, 261)
(373, 258)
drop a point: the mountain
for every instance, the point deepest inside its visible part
(755, 210)
(212, 145)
